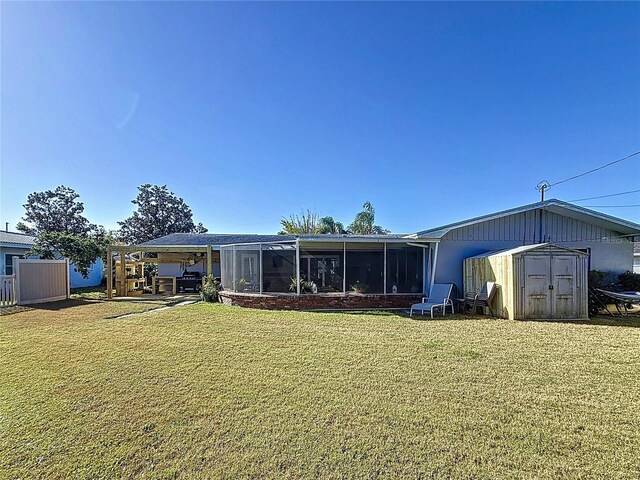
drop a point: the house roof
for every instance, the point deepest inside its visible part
(217, 239)
(190, 239)
(554, 205)
(15, 239)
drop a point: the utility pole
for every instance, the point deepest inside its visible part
(541, 187)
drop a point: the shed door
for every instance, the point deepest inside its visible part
(550, 286)
(537, 295)
(563, 276)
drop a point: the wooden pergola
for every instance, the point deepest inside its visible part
(123, 250)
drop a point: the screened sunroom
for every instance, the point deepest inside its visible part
(320, 265)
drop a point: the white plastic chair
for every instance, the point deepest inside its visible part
(440, 297)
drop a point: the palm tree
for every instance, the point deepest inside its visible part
(328, 225)
(306, 222)
(364, 223)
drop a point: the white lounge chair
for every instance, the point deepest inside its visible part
(440, 297)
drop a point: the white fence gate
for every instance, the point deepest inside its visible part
(7, 290)
(37, 281)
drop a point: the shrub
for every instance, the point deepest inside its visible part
(240, 284)
(210, 289)
(596, 278)
(305, 286)
(629, 281)
(359, 287)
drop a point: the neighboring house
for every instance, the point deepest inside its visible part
(396, 264)
(18, 244)
(636, 257)
(13, 244)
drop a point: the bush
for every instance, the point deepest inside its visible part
(305, 286)
(210, 289)
(596, 278)
(359, 287)
(629, 281)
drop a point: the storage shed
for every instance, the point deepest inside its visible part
(542, 281)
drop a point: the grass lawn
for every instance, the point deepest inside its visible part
(212, 391)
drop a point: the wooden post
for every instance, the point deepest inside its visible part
(109, 272)
(123, 272)
(209, 268)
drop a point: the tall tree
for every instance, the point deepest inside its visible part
(364, 223)
(55, 219)
(306, 222)
(81, 251)
(56, 210)
(328, 225)
(159, 212)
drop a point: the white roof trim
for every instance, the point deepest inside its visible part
(527, 248)
(614, 223)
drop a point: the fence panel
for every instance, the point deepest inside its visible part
(39, 281)
(7, 290)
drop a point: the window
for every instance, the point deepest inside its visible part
(8, 263)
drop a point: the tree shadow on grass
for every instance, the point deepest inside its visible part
(630, 321)
(404, 315)
(50, 306)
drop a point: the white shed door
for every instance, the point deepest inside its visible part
(550, 286)
(537, 296)
(563, 276)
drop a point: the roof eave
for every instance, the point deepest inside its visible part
(617, 224)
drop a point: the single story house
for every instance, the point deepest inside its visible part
(608, 240)
(385, 270)
(14, 244)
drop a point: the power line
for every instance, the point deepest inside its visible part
(611, 206)
(604, 196)
(595, 169)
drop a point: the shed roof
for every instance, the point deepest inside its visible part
(525, 248)
(554, 205)
(16, 239)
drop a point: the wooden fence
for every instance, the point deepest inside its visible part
(7, 290)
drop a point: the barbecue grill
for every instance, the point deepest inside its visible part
(189, 282)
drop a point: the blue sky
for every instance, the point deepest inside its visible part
(434, 112)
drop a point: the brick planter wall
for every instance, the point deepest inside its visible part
(319, 301)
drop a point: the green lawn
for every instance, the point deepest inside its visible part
(207, 391)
